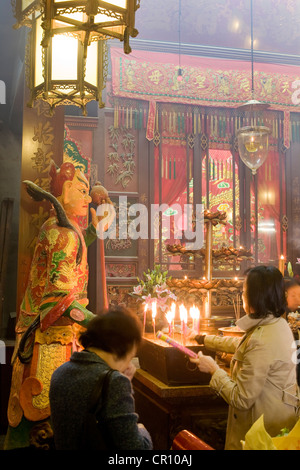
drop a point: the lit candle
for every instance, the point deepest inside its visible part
(195, 315)
(170, 319)
(281, 264)
(198, 319)
(154, 309)
(183, 318)
(145, 315)
(173, 309)
(192, 315)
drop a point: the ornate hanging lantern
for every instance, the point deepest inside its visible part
(62, 70)
(67, 57)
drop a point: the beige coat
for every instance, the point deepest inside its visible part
(262, 378)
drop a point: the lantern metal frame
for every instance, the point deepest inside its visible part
(23, 13)
(60, 17)
(120, 23)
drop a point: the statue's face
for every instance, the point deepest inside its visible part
(75, 197)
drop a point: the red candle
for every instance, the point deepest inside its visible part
(183, 318)
(281, 264)
(154, 309)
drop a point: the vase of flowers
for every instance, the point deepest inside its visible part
(153, 288)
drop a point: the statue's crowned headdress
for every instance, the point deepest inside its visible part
(59, 176)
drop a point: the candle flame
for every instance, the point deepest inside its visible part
(194, 312)
(183, 313)
(170, 316)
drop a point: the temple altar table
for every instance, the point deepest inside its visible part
(166, 410)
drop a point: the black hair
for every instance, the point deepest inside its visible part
(265, 291)
(115, 331)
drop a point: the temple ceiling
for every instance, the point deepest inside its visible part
(223, 23)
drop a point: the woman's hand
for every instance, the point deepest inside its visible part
(205, 363)
(130, 371)
(193, 335)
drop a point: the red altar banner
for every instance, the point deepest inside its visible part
(151, 76)
(286, 129)
(151, 120)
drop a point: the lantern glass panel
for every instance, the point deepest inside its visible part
(91, 75)
(117, 3)
(64, 58)
(79, 16)
(38, 73)
(26, 3)
(103, 18)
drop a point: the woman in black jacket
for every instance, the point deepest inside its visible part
(110, 342)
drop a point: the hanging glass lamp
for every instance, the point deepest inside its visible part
(253, 141)
(253, 144)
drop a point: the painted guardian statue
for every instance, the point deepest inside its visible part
(54, 307)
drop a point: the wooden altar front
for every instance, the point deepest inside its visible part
(165, 411)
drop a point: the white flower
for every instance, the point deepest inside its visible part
(294, 315)
(138, 290)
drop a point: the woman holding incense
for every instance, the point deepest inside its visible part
(262, 379)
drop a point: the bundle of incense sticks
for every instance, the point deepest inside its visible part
(167, 339)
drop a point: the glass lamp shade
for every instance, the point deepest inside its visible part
(253, 144)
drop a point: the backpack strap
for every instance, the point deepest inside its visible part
(99, 390)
